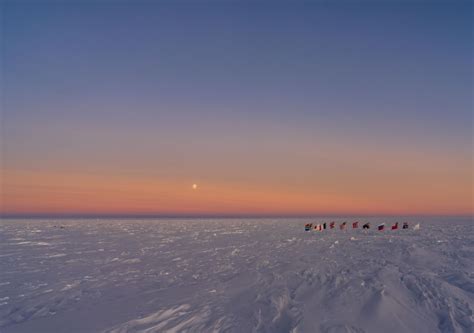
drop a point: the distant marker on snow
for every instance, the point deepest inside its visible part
(355, 225)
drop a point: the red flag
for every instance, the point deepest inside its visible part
(381, 227)
(395, 226)
(355, 225)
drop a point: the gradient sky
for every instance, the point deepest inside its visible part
(333, 107)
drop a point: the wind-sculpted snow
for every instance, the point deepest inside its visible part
(234, 275)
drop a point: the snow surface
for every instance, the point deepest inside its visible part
(234, 275)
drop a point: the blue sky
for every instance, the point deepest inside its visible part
(170, 90)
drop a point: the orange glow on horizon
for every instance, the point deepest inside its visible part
(62, 193)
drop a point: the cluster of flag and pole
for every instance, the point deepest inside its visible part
(355, 225)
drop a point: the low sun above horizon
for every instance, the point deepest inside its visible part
(195, 186)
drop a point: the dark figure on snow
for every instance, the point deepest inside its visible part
(366, 226)
(405, 225)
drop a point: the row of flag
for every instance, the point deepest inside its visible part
(355, 225)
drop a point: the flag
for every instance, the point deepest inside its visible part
(332, 225)
(343, 225)
(416, 227)
(324, 225)
(395, 226)
(355, 225)
(366, 226)
(381, 227)
(405, 225)
(308, 226)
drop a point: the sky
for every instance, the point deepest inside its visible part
(269, 107)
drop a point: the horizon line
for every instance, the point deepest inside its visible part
(207, 216)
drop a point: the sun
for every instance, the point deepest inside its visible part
(195, 186)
